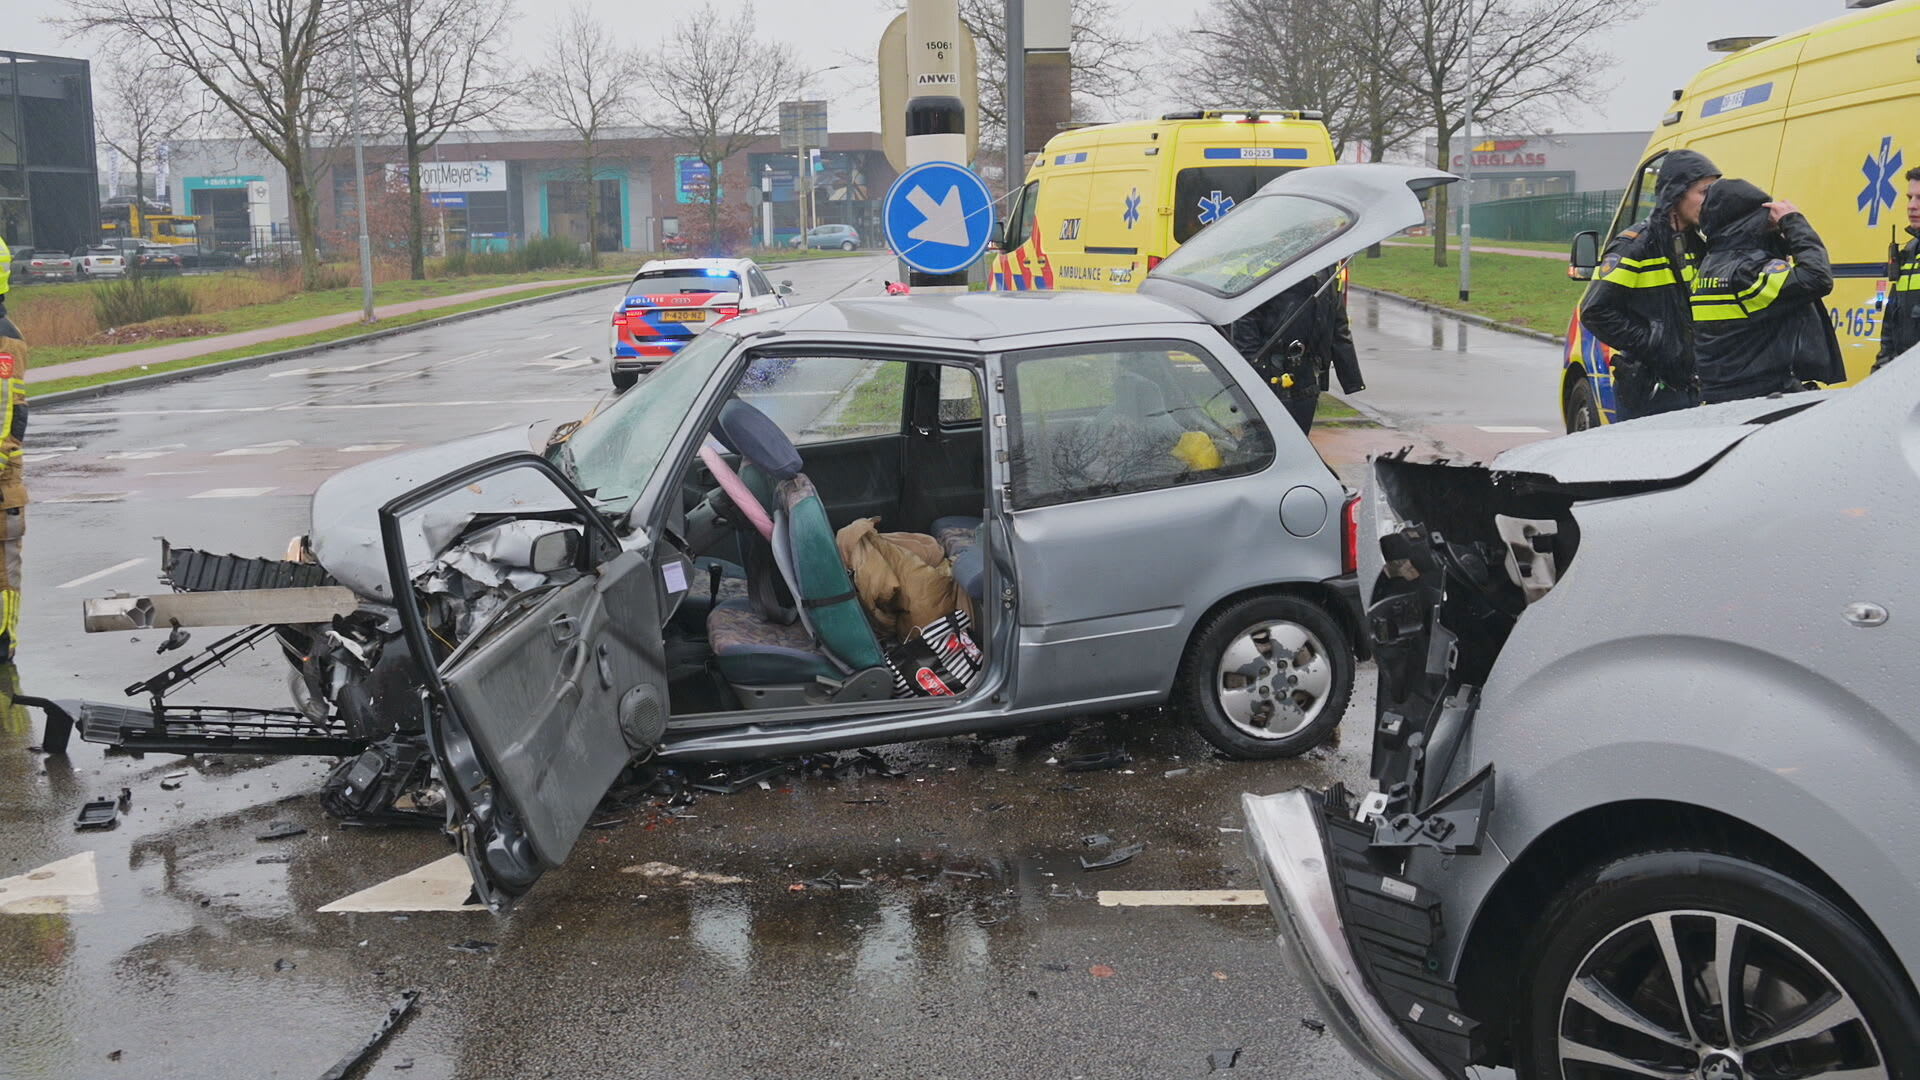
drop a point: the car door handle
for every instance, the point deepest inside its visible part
(563, 628)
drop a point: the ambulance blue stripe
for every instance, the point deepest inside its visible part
(1071, 159)
(1739, 99)
(1256, 153)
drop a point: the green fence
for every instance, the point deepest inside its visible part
(1545, 217)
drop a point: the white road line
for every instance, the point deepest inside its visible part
(46, 453)
(584, 361)
(1181, 897)
(538, 337)
(98, 574)
(1519, 429)
(340, 370)
(441, 885)
(371, 448)
(260, 449)
(232, 493)
(85, 497)
(562, 353)
(179, 472)
(137, 455)
(66, 886)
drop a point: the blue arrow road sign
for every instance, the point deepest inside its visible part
(938, 217)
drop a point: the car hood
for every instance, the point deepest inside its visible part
(345, 534)
(1654, 449)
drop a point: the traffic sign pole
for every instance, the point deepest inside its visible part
(932, 226)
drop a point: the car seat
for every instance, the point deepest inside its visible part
(822, 649)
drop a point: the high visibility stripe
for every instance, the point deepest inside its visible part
(1647, 264)
(1767, 291)
(1638, 279)
(1718, 312)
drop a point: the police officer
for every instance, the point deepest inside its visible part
(1640, 300)
(1759, 327)
(1900, 329)
(13, 488)
(1297, 339)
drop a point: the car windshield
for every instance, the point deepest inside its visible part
(1267, 234)
(661, 282)
(614, 454)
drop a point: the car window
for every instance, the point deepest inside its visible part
(760, 283)
(612, 456)
(1089, 422)
(662, 282)
(1202, 196)
(1638, 204)
(1021, 226)
(959, 397)
(1268, 234)
(817, 399)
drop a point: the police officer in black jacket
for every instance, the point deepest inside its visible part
(1759, 327)
(1639, 302)
(1900, 329)
(1297, 338)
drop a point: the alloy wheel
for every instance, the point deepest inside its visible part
(1699, 995)
(1274, 679)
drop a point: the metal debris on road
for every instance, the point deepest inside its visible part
(1104, 759)
(98, 814)
(474, 945)
(284, 964)
(397, 1011)
(281, 830)
(1318, 1027)
(1221, 1060)
(172, 781)
(1118, 857)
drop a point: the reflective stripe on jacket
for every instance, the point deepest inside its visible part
(1900, 329)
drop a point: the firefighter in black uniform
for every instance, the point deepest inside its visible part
(1900, 329)
(1298, 339)
(1759, 326)
(1639, 302)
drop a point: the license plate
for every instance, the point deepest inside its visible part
(683, 316)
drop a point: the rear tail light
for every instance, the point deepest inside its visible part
(1350, 534)
(1152, 261)
(725, 313)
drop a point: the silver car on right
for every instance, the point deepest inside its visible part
(1682, 653)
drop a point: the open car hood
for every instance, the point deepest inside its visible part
(345, 533)
(1653, 449)
(1296, 226)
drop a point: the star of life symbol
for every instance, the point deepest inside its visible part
(1880, 192)
(1132, 213)
(1214, 207)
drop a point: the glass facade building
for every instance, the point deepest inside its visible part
(48, 175)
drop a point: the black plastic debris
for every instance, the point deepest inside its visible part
(1056, 967)
(873, 763)
(871, 800)
(727, 782)
(1318, 1027)
(176, 639)
(474, 945)
(832, 881)
(98, 814)
(1104, 759)
(172, 781)
(114, 1055)
(1098, 839)
(281, 830)
(277, 857)
(284, 964)
(404, 1063)
(1222, 1060)
(996, 807)
(1118, 857)
(126, 798)
(397, 1012)
(967, 875)
(607, 823)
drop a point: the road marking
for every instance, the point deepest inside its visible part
(65, 887)
(1181, 897)
(371, 448)
(179, 472)
(441, 885)
(98, 574)
(165, 412)
(539, 337)
(260, 449)
(458, 404)
(86, 497)
(561, 354)
(232, 493)
(46, 453)
(1519, 429)
(137, 455)
(340, 370)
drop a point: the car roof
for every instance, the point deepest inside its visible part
(736, 265)
(972, 317)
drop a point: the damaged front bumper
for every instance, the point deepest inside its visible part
(1371, 971)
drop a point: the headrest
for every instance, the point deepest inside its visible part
(753, 435)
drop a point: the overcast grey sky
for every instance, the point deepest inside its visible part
(1656, 53)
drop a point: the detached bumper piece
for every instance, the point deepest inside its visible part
(1364, 941)
(199, 729)
(188, 570)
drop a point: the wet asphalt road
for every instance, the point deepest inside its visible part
(975, 948)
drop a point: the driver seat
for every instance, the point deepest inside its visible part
(829, 652)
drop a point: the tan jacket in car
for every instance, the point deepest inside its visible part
(903, 579)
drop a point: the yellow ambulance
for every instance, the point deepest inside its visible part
(1102, 205)
(1828, 118)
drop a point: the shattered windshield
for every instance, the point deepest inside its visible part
(1261, 238)
(614, 454)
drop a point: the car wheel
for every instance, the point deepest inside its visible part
(623, 381)
(846, 245)
(1583, 410)
(1702, 964)
(1269, 677)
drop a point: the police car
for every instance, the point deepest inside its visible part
(669, 301)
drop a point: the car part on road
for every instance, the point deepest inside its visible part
(389, 783)
(1222, 1060)
(397, 1012)
(1268, 677)
(282, 830)
(98, 814)
(1120, 856)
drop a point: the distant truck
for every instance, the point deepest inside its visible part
(120, 220)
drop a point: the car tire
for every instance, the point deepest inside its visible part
(846, 245)
(1583, 409)
(1243, 714)
(1601, 942)
(623, 381)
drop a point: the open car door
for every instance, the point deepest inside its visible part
(1301, 223)
(536, 710)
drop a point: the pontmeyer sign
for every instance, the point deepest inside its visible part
(448, 176)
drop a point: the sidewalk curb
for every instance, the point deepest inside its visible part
(141, 382)
(1463, 316)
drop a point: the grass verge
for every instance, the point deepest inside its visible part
(1332, 409)
(54, 386)
(1533, 293)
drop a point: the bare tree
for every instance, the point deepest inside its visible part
(718, 88)
(1528, 58)
(145, 103)
(585, 83)
(437, 66)
(263, 61)
(1282, 53)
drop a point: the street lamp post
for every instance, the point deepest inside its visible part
(1466, 194)
(360, 190)
(766, 206)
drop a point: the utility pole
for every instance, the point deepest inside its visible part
(936, 122)
(1016, 93)
(360, 189)
(766, 206)
(1466, 193)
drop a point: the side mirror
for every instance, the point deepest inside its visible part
(554, 551)
(1584, 256)
(785, 288)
